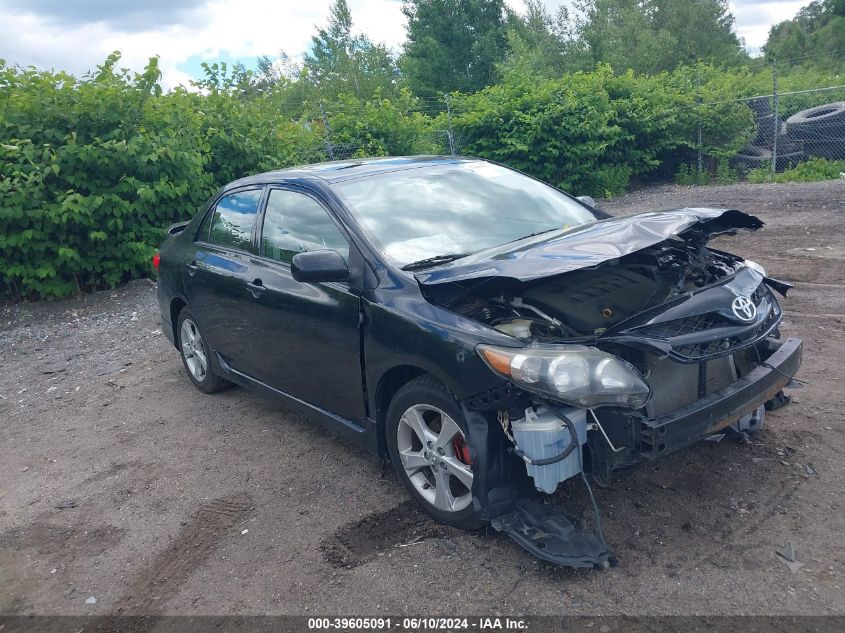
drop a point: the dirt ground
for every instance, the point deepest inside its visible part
(122, 482)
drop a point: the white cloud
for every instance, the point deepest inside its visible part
(246, 28)
(240, 29)
(754, 18)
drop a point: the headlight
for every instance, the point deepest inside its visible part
(755, 266)
(575, 374)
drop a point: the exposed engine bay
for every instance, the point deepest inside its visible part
(622, 360)
(586, 302)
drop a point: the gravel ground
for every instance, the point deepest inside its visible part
(122, 482)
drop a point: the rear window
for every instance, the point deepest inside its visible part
(233, 221)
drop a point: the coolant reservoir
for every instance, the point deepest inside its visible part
(518, 328)
(541, 434)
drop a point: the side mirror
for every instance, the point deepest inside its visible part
(588, 200)
(319, 266)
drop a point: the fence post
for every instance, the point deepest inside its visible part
(775, 118)
(449, 133)
(698, 110)
(329, 147)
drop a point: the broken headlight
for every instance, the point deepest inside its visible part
(575, 374)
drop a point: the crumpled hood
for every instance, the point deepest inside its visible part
(588, 245)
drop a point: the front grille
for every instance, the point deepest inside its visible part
(679, 327)
(722, 345)
(675, 384)
(719, 345)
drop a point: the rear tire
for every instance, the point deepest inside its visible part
(196, 355)
(426, 441)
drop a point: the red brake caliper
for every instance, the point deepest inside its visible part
(461, 450)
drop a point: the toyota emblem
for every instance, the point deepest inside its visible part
(744, 308)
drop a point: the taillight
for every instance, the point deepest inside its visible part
(156, 260)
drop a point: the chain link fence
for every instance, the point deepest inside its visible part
(794, 127)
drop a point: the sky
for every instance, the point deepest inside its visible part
(76, 35)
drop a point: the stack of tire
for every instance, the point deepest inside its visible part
(759, 151)
(820, 130)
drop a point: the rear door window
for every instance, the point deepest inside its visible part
(233, 221)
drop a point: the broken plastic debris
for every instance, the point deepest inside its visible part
(244, 532)
(91, 600)
(811, 470)
(794, 565)
(716, 438)
(787, 555)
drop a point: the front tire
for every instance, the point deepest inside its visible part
(196, 355)
(426, 441)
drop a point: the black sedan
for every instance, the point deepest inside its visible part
(490, 334)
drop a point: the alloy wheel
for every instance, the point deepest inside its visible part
(193, 351)
(432, 448)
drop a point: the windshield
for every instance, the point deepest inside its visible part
(455, 209)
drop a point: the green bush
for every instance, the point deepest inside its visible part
(592, 132)
(382, 127)
(725, 174)
(812, 170)
(688, 175)
(92, 171)
(559, 131)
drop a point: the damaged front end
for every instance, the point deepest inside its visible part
(632, 339)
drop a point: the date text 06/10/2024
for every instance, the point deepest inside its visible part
(417, 624)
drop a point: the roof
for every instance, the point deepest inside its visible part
(338, 170)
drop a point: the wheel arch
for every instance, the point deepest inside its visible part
(389, 384)
(177, 304)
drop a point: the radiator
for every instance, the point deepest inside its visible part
(675, 384)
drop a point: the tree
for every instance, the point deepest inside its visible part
(538, 43)
(453, 45)
(342, 63)
(651, 36)
(815, 36)
(619, 33)
(702, 30)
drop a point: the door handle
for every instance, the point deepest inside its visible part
(192, 267)
(256, 287)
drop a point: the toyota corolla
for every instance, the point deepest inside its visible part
(489, 334)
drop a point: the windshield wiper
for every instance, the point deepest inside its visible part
(525, 237)
(433, 261)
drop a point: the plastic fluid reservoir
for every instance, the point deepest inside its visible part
(541, 434)
(518, 328)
